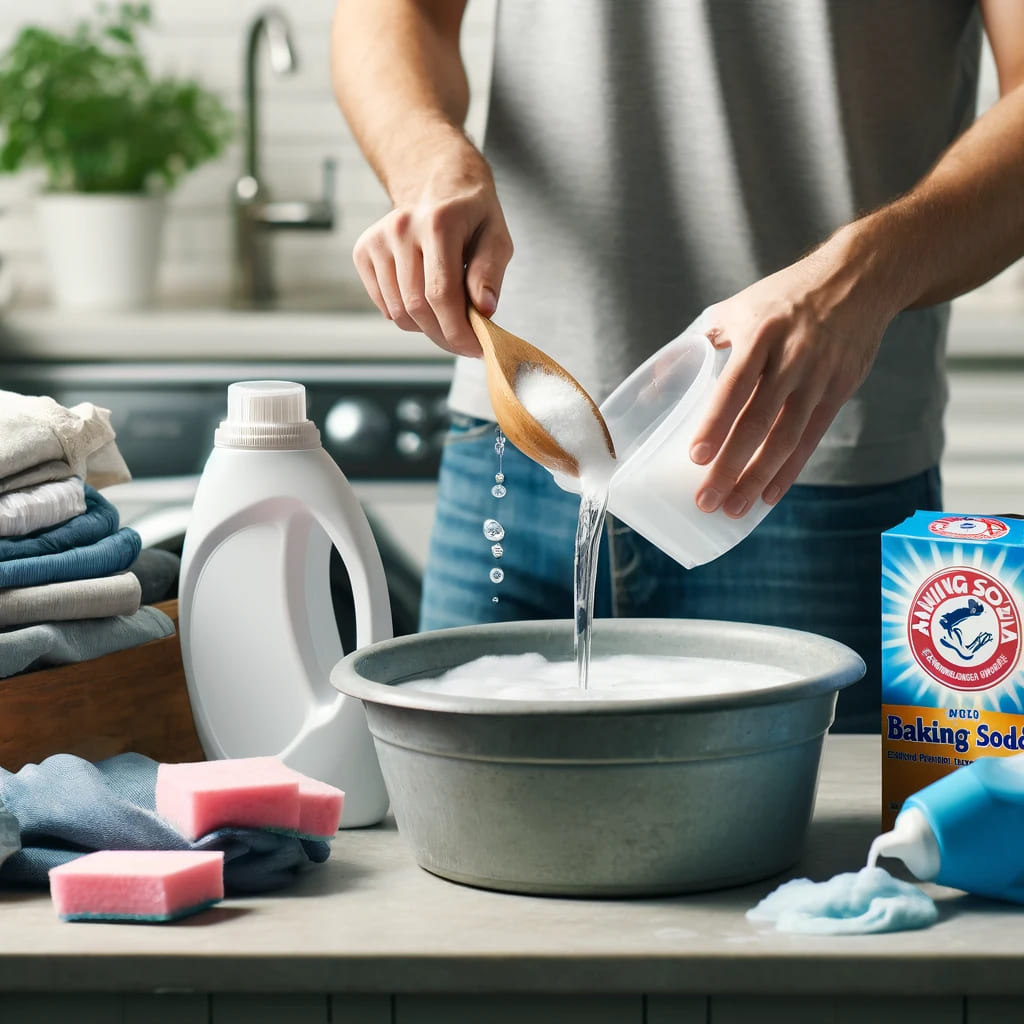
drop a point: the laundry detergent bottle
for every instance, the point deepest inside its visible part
(966, 830)
(258, 632)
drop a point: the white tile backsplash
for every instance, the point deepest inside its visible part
(300, 126)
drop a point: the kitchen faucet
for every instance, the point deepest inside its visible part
(255, 214)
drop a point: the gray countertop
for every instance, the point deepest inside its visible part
(163, 334)
(204, 333)
(370, 920)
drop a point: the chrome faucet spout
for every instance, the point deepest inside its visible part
(256, 214)
(272, 24)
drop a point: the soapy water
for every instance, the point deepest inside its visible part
(853, 903)
(532, 677)
(862, 902)
(557, 405)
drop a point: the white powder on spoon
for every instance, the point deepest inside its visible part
(566, 414)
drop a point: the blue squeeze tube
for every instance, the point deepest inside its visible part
(965, 830)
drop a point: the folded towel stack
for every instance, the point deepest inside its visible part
(67, 592)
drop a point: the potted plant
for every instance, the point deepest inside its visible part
(112, 140)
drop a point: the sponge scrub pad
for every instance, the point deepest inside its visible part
(246, 792)
(137, 885)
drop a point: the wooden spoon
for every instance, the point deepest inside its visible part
(505, 355)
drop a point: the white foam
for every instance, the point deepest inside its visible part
(634, 676)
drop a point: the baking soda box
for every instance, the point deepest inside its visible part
(952, 677)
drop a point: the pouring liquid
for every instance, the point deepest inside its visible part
(566, 415)
(593, 508)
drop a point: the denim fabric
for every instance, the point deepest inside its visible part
(67, 806)
(103, 558)
(26, 648)
(540, 526)
(814, 563)
(100, 519)
(10, 834)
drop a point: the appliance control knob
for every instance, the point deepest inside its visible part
(357, 427)
(411, 411)
(410, 444)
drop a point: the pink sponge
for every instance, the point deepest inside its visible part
(319, 807)
(137, 885)
(247, 792)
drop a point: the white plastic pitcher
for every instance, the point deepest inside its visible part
(652, 417)
(258, 634)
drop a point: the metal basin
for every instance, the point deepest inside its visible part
(610, 797)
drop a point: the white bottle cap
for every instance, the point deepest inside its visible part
(913, 842)
(267, 414)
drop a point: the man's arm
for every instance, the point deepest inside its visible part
(965, 221)
(805, 338)
(399, 80)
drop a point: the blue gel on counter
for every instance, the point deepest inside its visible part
(854, 903)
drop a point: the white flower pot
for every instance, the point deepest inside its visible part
(102, 249)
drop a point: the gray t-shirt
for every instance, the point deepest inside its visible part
(655, 156)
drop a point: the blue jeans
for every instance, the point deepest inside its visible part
(814, 563)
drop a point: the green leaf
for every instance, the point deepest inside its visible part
(84, 106)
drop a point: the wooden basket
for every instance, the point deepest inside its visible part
(134, 699)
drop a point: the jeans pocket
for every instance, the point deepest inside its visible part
(463, 429)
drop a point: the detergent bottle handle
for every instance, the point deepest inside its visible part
(333, 507)
(332, 715)
(330, 515)
(354, 541)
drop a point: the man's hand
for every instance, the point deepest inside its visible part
(445, 238)
(803, 340)
(398, 75)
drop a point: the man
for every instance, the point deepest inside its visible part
(808, 167)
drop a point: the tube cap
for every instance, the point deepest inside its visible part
(913, 842)
(267, 415)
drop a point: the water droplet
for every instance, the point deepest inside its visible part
(494, 600)
(499, 478)
(498, 490)
(497, 575)
(497, 550)
(493, 530)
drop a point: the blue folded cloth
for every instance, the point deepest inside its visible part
(67, 806)
(103, 558)
(10, 834)
(42, 644)
(100, 519)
